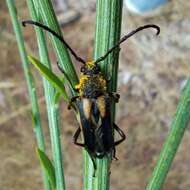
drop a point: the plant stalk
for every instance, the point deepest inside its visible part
(178, 127)
(29, 80)
(108, 27)
(49, 18)
(49, 91)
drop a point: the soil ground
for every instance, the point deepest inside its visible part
(153, 71)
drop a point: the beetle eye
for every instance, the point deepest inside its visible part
(82, 69)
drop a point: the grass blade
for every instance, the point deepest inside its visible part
(30, 83)
(48, 167)
(49, 18)
(108, 26)
(52, 106)
(50, 76)
(178, 127)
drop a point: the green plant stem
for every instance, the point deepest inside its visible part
(29, 80)
(52, 108)
(49, 18)
(108, 27)
(178, 127)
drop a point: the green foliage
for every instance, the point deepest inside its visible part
(51, 77)
(48, 167)
(50, 93)
(49, 18)
(108, 26)
(29, 80)
(177, 129)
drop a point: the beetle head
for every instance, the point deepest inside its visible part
(90, 68)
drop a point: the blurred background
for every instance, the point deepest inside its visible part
(153, 71)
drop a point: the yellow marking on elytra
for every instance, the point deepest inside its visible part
(101, 106)
(87, 106)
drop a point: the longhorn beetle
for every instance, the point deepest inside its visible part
(94, 101)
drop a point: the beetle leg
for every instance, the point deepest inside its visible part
(108, 80)
(73, 99)
(115, 96)
(75, 137)
(121, 133)
(114, 153)
(94, 165)
(66, 76)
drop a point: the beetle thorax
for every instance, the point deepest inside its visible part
(91, 86)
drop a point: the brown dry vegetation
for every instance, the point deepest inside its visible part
(153, 71)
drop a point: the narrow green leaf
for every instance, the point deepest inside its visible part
(49, 18)
(49, 92)
(57, 97)
(50, 76)
(30, 83)
(173, 140)
(57, 94)
(48, 167)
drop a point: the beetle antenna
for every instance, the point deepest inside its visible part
(25, 22)
(124, 38)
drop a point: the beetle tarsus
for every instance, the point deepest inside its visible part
(72, 100)
(121, 133)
